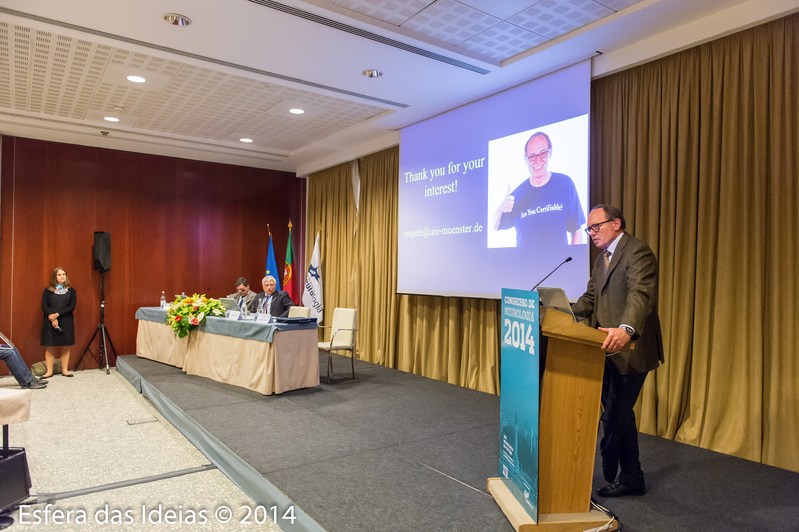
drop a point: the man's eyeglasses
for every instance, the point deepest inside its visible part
(540, 156)
(595, 228)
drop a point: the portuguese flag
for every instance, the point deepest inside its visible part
(288, 271)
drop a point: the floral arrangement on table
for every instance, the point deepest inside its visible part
(190, 312)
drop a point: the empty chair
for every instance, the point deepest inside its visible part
(342, 337)
(299, 312)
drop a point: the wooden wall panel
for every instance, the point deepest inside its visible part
(176, 225)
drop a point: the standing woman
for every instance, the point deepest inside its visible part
(58, 327)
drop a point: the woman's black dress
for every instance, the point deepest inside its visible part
(64, 304)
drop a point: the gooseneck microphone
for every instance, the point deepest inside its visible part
(550, 273)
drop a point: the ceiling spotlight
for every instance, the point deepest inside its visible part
(296, 111)
(245, 140)
(372, 73)
(136, 79)
(111, 119)
(177, 20)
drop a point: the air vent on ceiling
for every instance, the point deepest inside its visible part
(175, 51)
(368, 35)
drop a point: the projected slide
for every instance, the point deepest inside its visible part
(495, 194)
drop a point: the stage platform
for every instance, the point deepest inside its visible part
(391, 451)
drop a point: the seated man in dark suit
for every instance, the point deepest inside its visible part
(243, 296)
(275, 303)
(10, 355)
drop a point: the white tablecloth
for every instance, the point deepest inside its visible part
(289, 362)
(15, 406)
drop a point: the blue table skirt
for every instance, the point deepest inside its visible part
(249, 329)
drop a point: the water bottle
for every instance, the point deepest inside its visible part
(163, 299)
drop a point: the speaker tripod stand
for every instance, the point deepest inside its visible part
(104, 338)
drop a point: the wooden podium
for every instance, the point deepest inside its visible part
(571, 389)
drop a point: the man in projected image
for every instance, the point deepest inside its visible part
(545, 209)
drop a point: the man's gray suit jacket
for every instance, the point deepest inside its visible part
(248, 299)
(627, 295)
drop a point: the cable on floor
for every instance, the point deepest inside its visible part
(45, 498)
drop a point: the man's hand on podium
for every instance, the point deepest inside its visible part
(616, 340)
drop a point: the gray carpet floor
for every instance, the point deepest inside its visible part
(391, 451)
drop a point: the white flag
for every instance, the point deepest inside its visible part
(312, 296)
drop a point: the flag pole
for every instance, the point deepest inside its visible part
(288, 268)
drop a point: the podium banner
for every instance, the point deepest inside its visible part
(519, 398)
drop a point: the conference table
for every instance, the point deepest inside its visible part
(270, 358)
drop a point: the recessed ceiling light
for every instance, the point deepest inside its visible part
(245, 140)
(177, 20)
(136, 79)
(296, 111)
(111, 119)
(372, 73)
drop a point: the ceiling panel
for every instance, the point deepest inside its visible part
(242, 64)
(47, 74)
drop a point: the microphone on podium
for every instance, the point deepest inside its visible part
(550, 273)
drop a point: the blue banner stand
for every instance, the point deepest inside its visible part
(516, 491)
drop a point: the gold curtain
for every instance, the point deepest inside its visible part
(450, 339)
(699, 150)
(455, 340)
(377, 258)
(331, 213)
